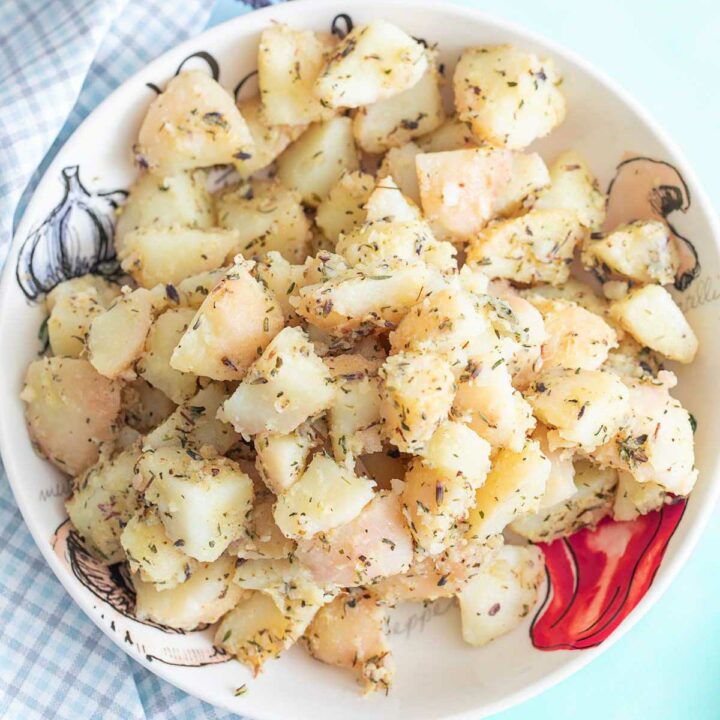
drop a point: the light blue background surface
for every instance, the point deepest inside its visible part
(667, 54)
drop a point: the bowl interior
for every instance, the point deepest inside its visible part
(437, 675)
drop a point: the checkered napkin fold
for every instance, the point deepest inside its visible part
(58, 60)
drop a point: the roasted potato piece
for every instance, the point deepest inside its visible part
(265, 216)
(634, 498)
(103, 500)
(269, 139)
(265, 540)
(652, 317)
(416, 396)
(508, 97)
(106, 291)
(573, 187)
(281, 278)
(501, 595)
(288, 64)
(590, 503)
(205, 597)
(178, 200)
(203, 503)
(376, 544)
(152, 554)
(560, 484)
(461, 190)
(515, 486)
(70, 411)
(154, 364)
(281, 459)
(371, 63)
(318, 159)
(235, 323)
(453, 134)
(399, 164)
(193, 123)
(344, 206)
(144, 407)
(194, 289)
(351, 632)
(402, 117)
(640, 250)
(168, 255)
(70, 320)
(536, 247)
(584, 408)
(285, 386)
(326, 496)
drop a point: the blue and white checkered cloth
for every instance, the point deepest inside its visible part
(58, 60)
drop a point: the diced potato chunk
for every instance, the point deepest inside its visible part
(326, 496)
(591, 501)
(235, 323)
(402, 117)
(641, 250)
(194, 424)
(144, 407)
(536, 247)
(281, 459)
(350, 632)
(655, 443)
(203, 504)
(509, 97)
(573, 290)
(204, 598)
(453, 134)
(165, 201)
(344, 206)
(461, 190)
(106, 290)
(501, 595)
(354, 421)
(281, 278)
(634, 498)
(576, 338)
(103, 500)
(193, 123)
(399, 163)
(265, 540)
(269, 139)
(376, 544)
(70, 320)
(152, 554)
(318, 159)
(573, 187)
(169, 255)
(256, 630)
(584, 408)
(652, 317)
(455, 450)
(561, 482)
(70, 411)
(154, 364)
(387, 203)
(117, 337)
(285, 386)
(288, 64)
(265, 216)
(417, 394)
(488, 403)
(515, 486)
(372, 62)
(360, 299)
(194, 289)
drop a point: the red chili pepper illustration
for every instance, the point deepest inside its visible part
(595, 578)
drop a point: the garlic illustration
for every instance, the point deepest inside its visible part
(76, 238)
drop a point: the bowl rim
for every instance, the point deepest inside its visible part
(256, 20)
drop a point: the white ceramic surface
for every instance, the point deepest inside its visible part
(438, 676)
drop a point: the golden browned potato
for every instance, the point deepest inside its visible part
(288, 64)
(233, 326)
(265, 216)
(372, 62)
(508, 97)
(70, 410)
(193, 123)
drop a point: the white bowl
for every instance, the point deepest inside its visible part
(437, 675)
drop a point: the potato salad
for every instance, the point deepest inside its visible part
(390, 354)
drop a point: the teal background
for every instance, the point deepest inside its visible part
(667, 54)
